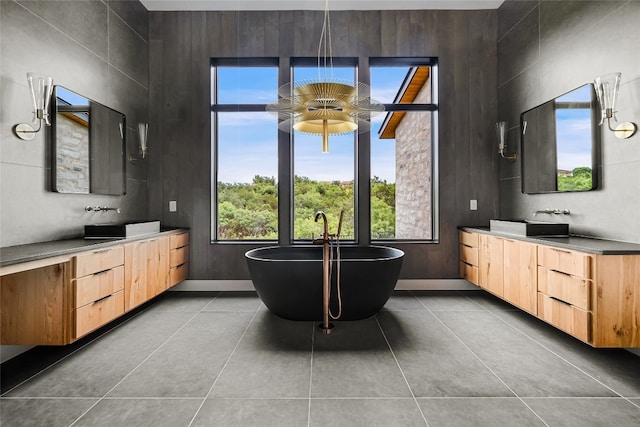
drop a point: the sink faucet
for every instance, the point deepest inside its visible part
(101, 209)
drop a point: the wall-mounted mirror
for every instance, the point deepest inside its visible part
(88, 141)
(560, 143)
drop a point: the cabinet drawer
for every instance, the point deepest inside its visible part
(469, 255)
(565, 261)
(469, 239)
(569, 289)
(566, 317)
(469, 272)
(92, 316)
(179, 256)
(93, 262)
(178, 274)
(99, 285)
(178, 240)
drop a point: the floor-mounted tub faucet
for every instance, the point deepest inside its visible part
(326, 241)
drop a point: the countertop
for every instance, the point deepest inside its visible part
(577, 243)
(18, 254)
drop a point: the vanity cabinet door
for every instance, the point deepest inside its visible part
(520, 274)
(158, 266)
(35, 306)
(135, 274)
(491, 268)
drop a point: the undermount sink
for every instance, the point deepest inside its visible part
(525, 227)
(122, 230)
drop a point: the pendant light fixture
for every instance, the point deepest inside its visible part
(326, 106)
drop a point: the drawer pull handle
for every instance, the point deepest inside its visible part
(104, 251)
(560, 250)
(102, 299)
(561, 272)
(559, 300)
(99, 273)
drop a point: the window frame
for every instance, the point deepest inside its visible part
(432, 107)
(216, 108)
(362, 147)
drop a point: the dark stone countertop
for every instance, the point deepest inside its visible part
(591, 245)
(11, 255)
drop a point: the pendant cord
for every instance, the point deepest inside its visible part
(325, 42)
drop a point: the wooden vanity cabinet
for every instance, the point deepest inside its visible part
(178, 258)
(593, 297)
(469, 247)
(56, 301)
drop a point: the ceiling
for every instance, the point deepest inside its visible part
(165, 5)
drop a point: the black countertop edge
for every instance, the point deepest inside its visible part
(586, 244)
(19, 254)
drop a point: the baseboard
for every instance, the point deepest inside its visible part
(10, 351)
(402, 285)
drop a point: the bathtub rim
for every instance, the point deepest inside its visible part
(399, 253)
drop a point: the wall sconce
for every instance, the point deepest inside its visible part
(501, 133)
(143, 130)
(607, 87)
(41, 88)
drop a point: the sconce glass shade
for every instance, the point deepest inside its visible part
(143, 129)
(41, 88)
(607, 87)
(501, 134)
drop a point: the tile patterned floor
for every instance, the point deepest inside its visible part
(432, 358)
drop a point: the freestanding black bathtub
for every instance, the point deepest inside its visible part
(288, 280)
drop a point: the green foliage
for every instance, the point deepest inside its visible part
(250, 211)
(579, 180)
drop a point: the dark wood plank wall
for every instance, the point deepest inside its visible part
(182, 43)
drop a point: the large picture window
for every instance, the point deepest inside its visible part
(400, 151)
(323, 181)
(245, 152)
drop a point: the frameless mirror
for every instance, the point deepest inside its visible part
(560, 143)
(88, 141)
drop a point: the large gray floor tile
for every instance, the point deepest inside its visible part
(403, 300)
(140, 413)
(365, 413)
(446, 301)
(355, 361)
(586, 412)
(235, 301)
(94, 369)
(478, 412)
(525, 366)
(434, 361)
(188, 364)
(273, 360)
(616, 368)
(253, 412)
(184, 301)
(42, 412)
